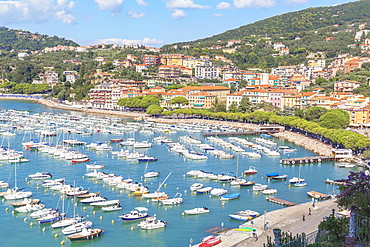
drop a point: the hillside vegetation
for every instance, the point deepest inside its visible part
(23, 40)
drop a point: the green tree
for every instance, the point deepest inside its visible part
(335, 119)
(154, 110)
(179, 101)
(313, 114)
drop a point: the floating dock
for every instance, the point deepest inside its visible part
(335, 182)
(245, 133)
(315, 159)
(280, 201)
(318, 195)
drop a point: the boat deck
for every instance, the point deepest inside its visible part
(280, 201)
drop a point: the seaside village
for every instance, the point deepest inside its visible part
(283, 86)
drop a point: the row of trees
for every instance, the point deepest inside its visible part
(330, 126)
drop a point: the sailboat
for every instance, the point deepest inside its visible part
(157, 193)
(16, 193)
(151, 173)
(298, 181)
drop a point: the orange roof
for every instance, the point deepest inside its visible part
(231, 79)
(201, 94)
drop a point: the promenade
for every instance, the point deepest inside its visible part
(286, 219)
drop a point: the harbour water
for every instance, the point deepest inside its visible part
(181, 230)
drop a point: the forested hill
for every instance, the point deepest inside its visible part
(23, 40)
(297, 22)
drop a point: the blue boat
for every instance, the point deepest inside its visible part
(273, 174)
(147, 158)
(229, 197)
(52, 218)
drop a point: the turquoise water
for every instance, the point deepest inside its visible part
(16, 229)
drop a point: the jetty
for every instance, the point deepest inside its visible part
(280, 201)
(318, 195)
(244, 133)
(335, 182)
(315, 159)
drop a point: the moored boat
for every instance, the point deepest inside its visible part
(85, 234)
(202, 210)
(137, 214)
(244, 215)
(210, 241)
(229, 197)
(151, 223)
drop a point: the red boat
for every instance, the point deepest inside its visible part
(81, 160)
(210, 241)
(116, 140)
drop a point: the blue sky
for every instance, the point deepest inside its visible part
(149, 22)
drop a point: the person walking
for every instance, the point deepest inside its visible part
(309, 211)
(303, 217)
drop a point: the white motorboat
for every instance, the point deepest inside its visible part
(94, 166)
(250, 171)
(105, 203)
(128, 142)
(93, 199)
(15, 194)
(153, 195)
(152, 223)
(196, 186)
(4, 185)
(137, 214)
(269, 191)
(218, 191)
(40, 175)
(259, 187)
(143, 144)
(177, 199)
(29, 208)
(296, 180)
(114, 207)
(202, 210)
(77, 227)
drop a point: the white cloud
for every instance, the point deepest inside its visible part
(66, 18)
(36, 11)
(178, 14)
(296, 1)
(254, 3)
(218, 15)
(114, 6)
(223, 5)
(132, 14)
(141, 2)
(184, 4)
(145, 41)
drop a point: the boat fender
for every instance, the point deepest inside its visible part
(306, 161)
(301, 161)
(293, 162)
(311, 160)
(319, 160)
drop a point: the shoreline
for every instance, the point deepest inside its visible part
(298, 139)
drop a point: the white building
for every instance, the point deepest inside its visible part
(207, 71)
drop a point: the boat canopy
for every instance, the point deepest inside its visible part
(141, 209)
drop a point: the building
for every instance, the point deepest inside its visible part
(141, 67)
(151, 60)
(172, 59)
(169, 71)
(346, 86)
(71, 76)
(201, 100)
(207, 71)
(50, 77)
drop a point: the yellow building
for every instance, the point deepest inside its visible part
(172, 59)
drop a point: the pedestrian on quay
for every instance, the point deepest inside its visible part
(309, 211)
(254, 234)
(303, 217)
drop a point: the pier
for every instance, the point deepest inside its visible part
(246, 133)
(280, 201)
(315, 159)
